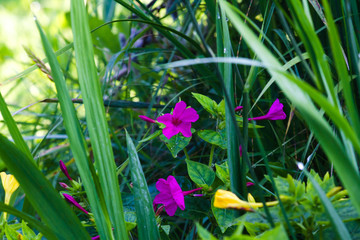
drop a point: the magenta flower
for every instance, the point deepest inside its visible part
(179, 121)
(275, 112)
(171, 195)
(71, 200)
(147, 119)
(64, 170)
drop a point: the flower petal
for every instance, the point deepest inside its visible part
(171, 131)
(147, 119)
(162, 186)
(163, 198)
(189, 115)
(185, 129)
(70, 199)
(275, 112)
(176, 192)
(165, 119)
(171, 208)
(179, 109)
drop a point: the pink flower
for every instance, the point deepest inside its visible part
(179, 121)
(275, 112)
(71, 200)
(147, 119)
(64, 170)
(248, 184)
(171, 195)
(64, 185)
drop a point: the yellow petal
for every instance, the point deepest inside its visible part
(9, 183)
(226, 199)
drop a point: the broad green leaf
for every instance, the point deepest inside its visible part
(208, 104)
(277, 233)
(200, 173)
(176, 143)
(46, 201)
(224, 217)
(214, 137)
(146, 222)
(95, 117)
(196, 208)
(222, 172)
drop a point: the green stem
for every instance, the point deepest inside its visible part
(186, 154)
(211, 155)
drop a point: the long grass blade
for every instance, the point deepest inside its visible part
(78, 144)
(146, 222)
(95, 116)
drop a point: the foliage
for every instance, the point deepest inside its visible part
(240, 66)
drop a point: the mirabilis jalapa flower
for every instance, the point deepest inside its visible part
(171, 195)
(179, 121)
(275, 112)
(227, 199)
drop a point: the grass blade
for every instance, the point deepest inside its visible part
(146, 221)
(47, 202)
(13, 129)
(95, 116)
(78, 144)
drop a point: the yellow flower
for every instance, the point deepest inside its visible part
(226, 199)
(10, 185)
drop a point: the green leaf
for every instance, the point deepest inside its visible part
(222, 171)
(208, 104)
(11, 233)
(203, 233)
(27, 232)
(95, 116)
(200, 173)
(277, 233)
(146, 222)
(176, 143)
(46, 201)
(224, 217)
(214, 137)
(336, 222)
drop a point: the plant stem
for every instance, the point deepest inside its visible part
(186, 154)
(211, 155)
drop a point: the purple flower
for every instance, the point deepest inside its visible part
(248, 184)
(96, 237)
(64, 185)
(71, 200)
(275, 112)
(238, 108)
(147, 119)
(64, 170)
(171, 195)
(179, 121)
